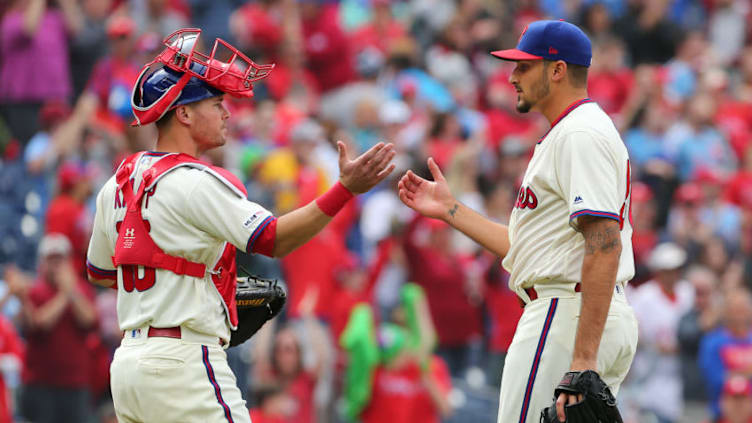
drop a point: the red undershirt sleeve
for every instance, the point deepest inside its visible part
(264, 241)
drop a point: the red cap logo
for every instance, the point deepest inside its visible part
(552, 50)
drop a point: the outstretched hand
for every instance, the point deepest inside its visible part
(367, 170)
(429, 198)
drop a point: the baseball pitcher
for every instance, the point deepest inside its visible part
(568, 244)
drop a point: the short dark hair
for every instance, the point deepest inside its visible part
(577, 74)
(165, 120)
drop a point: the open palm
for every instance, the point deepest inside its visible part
(367, 170)
(429, 198)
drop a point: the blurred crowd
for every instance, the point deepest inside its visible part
(356, 340)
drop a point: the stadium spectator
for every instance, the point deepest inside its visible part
(699, 320)
(736, 401)
(684, 219)
(212, 17)
(391, 373)
(272, 404)
(67, 213)
(108, 90)
(727, 29)
(727, 350)
(503, 120)
(698, 145)
(89, 44)
(296, 366)
(650, 36)
(658, 306)
(682, 71)
(59, 316)
(504, 311)
(11, 362)
(160, 16)
(645, 235)
(645, 144)
(327, 48)
(11, 346)
(609, 79)
(35, 65)
(433, 265)
(311, 267)
(721, 217)
(381, 31)
(738, 191)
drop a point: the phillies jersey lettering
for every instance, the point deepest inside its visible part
(526, 199)
(580, 167)
(194, 214)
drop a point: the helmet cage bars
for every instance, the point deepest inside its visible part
(224, 68)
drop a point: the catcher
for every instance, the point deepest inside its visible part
(166, 230)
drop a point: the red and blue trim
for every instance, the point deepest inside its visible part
(156, 153)
(99, 273)
(563, 114)
(254, 236)
(596, 213)
(537, 359)
(213, 380)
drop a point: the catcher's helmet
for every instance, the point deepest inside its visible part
(161, 80)
(185, 75)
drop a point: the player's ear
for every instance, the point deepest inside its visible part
(558, 70)
(184, 114)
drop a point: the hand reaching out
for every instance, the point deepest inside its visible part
(367, 170)
(429, 198)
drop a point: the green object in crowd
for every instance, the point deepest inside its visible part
(359, 340)
(251, 155)
(392, 341)
(410, 294)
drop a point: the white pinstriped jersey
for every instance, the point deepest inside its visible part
(192, 213)
(580, 167)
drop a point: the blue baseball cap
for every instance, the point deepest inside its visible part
(551, 40)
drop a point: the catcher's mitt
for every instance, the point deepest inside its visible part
(598, 405)
(258, 300)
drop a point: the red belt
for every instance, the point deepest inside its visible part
(173, 332)
(165, 332)
(533, 294)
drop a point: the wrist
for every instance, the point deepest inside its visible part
(335, 199)
(580, 364)
(452, 209)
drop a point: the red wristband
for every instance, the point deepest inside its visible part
(333, 200)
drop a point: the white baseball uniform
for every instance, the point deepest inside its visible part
(192, 212)
(580, 167)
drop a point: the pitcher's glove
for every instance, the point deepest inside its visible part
(598, 405)
(258, 300)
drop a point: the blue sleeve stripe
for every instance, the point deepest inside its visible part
(260, 228)
(594, 213)
(101, 272)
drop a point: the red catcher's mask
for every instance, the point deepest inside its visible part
(223, 68)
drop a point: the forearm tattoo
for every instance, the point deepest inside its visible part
(453, 210)
(601, 238)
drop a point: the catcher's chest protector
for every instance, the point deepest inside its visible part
(134, 245)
